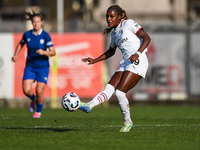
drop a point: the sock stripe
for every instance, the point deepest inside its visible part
(104, 96)
(99, 99)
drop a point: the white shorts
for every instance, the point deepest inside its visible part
(139, 66)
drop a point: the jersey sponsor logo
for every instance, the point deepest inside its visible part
(119, 42)
(28, 40)
(41, 41)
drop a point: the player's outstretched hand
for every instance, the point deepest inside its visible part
(89, 60)
(14, 59)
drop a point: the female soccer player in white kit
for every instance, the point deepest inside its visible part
(132, 40)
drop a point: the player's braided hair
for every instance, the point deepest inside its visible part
(120, 12)
(30, 13)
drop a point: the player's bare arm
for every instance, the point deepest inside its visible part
(145, 43)
(110, 52)
(17, 51)
(146, 40)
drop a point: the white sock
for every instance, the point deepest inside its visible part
(103, 96)
(124, 106)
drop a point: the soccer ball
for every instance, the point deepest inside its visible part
(71, 101)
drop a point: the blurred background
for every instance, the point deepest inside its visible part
(76, 26)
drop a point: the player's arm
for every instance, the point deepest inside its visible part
(17, 51)
(110, 52)
(49, 44)
(146, 40)
(51, 52)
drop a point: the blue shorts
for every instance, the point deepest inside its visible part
(37, 75)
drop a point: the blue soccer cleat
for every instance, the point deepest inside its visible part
(126, 127)
(85, 107)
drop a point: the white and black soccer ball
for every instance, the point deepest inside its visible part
(71, 101)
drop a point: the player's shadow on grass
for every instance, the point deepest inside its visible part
(40, 128)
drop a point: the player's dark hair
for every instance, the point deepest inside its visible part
(120, 12)
(30, 13)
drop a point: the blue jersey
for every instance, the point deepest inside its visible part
(35, 42)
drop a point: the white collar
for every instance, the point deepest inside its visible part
(39, 32)
(120, 24)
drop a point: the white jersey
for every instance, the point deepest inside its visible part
(124, 37)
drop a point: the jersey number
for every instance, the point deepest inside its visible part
(136, 62)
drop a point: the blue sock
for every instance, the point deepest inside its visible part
(32, 97)
(39, 107)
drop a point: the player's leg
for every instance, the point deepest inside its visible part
(28, 80)
(128, 81)
(131, 76)
(104, 95)
(108, 91)
(100, 98)
(40, 99)
(41, 79)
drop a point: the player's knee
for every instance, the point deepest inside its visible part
(110, 88)
(120, 95)
(39, 93)
(27, 91)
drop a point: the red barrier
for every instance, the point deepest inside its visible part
(72, 74)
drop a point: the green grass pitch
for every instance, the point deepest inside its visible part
(155, 128)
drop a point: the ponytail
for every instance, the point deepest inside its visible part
(124, 15)
(29, 14)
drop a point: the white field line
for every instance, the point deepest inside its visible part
(110, 126)
(195, 117)
(157, 125)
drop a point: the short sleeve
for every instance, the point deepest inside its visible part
(49, 42)
(133, 26)
(112, 43)
(23, 40)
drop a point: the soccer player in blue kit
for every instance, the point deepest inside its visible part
(40, 48)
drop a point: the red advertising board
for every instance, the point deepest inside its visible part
(68, 71)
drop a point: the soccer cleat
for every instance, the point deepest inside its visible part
(85, 107)
(37, 115)
(32, 106)
(126, 127)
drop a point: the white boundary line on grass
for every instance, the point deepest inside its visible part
(110, 126)
(195, 117)
(157, 125)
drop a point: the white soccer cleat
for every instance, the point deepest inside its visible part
(126, 127)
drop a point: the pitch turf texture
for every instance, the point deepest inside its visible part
(155, 128)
